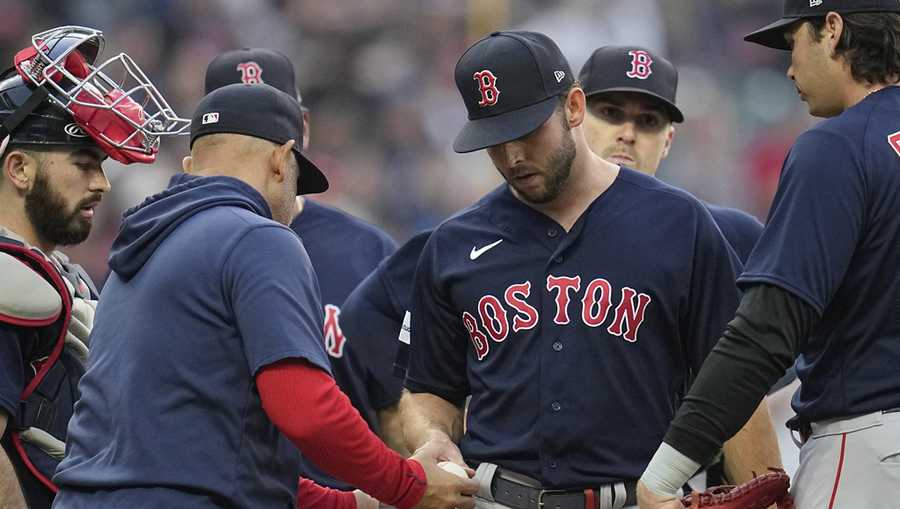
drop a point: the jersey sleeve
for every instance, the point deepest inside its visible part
(369, 319)
(12, 370)
(275, 297)
(741, 230)
(815, 221)
(438, 341)
(713, 296)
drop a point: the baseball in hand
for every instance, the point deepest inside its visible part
(453, 468)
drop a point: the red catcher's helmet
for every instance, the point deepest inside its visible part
(126, 118)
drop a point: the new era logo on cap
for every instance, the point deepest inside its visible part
(210, 118)
(559, 75)
(815, 3)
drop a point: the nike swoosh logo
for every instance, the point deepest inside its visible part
(478, 251)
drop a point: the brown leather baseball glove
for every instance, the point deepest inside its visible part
(758, 493)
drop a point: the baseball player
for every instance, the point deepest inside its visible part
(57, 129)
(822, 283)
(630, 119)
(631, 114)
(378, 310)
(208, 370)
(343, 250)
(548, 302)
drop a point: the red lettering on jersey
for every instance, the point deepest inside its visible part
(515, 297)
(479, 340)
(640, 64)
(493, 317)
(251, 73)
(628, 311)
(334, 337)
(563, 285)
(591, 299)
(487, 85)
(894, 140)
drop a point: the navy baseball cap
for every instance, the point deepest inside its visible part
(509, 82)
(261, 112)
(772, 35)
(632, 69)
(253, 66)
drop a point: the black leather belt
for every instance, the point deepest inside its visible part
(805, 430)
(515, 493)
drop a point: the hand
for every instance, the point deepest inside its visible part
(446, 449)
(650, 500)
(445, 490)
(364, 501)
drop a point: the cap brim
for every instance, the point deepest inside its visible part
(674, 113)
(512, 125)
(310, 179)
(772, 35)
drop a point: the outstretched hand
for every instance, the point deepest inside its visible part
(445, 490)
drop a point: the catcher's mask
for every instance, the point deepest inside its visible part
(55, 81)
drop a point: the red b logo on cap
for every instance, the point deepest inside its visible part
(251, 73)
(487, 85)
(640, 64)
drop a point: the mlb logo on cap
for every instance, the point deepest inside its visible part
(210, 118)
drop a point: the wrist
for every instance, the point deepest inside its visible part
(416, 488)
(668, 470)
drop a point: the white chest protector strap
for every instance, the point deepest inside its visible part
(26, 298)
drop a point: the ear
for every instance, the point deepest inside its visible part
(669, 138)
(19, 169)
(576, 105)
(834, 27)
(280, 160)
(187, 164)
(305, 145)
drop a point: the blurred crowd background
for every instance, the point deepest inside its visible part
(377, 76)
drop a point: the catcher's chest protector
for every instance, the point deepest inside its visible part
(52, 371)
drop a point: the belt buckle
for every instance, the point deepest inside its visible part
(540, 497)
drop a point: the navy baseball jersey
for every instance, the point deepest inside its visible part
(205, 291)
(740, 229)
(344, 250)
(576, 347)
(376, 310)
(833, 239)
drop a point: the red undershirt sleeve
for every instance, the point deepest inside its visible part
(306, 405)
(311, 495)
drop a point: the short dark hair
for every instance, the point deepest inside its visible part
(870, 42)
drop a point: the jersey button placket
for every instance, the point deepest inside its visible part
(557, 346)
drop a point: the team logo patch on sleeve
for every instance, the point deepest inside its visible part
(334, 336)
(894, 140)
